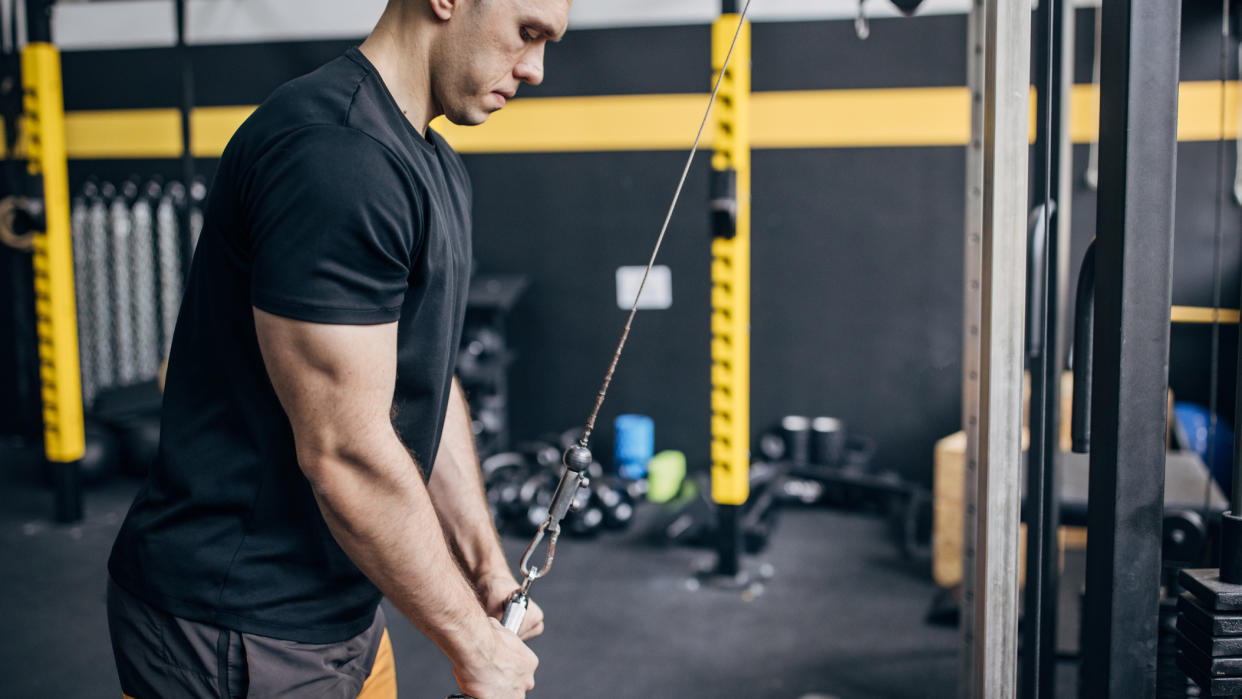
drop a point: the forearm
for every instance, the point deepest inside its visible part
(379, 511)
(456, 488)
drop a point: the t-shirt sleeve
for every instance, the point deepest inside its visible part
(333, 228)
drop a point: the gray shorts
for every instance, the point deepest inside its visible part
(160, 655)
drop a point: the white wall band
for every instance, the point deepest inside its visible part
(150, 23)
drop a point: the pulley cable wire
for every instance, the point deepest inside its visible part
(625, 334)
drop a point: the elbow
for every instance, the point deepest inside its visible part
(334, 463)
(318, 465)
(325, 458)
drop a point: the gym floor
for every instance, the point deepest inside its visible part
(842, 615)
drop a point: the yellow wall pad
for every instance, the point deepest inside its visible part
(886, 117)
(1199, 314)
(123, 133)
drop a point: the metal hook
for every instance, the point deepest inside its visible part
(862, 27)
(533, 574)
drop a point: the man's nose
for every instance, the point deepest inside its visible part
(530, 68)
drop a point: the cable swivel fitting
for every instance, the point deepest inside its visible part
(576, 459)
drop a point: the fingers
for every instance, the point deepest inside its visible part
(531, 631)
(532, 625)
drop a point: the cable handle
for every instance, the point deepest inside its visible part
(576, 459)
(515, 611)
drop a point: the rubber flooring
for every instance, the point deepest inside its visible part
(841, 615)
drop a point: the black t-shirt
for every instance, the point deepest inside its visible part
(327, 207)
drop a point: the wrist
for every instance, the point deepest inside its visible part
(493, 572)
(471, 640)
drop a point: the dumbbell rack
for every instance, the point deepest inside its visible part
(483, 371)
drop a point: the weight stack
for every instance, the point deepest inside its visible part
(1210, 617)
(1209, 632)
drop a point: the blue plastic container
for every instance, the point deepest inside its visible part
(635, 445)
(1218, 455)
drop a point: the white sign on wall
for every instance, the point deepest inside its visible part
(657, 295)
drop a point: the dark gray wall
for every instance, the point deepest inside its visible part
(856, 255)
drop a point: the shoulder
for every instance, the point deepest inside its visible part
(450, 160)
(311, 110)
(323, 96)
(333, 157)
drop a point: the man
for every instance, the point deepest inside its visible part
(311, 377)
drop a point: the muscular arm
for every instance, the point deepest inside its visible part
(456, 488)
(335, 383)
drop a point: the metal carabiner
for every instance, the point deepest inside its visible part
(533, 574)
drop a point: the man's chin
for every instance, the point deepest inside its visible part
(472, 117)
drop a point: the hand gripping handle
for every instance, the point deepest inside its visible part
(515, 613)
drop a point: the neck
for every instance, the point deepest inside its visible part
(398, 48)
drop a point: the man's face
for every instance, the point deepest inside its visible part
(488, 49)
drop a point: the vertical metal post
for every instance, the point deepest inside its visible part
(1006, 106)
(1065, 178)
(39, 21)
(1042, 512)
(55, 305)
(972, 308)
(730, 300)
(186, 108)
(1134, 249)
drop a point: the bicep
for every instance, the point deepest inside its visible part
(329, 248)
(335, 382)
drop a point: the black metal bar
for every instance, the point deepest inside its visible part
(186, 107)
(1235, 495)
(1037, 491)
(1042, 510)
(1231, 522)
(1140, 51)
(1036, 263)
(67, 490)
(728, 540)
(39, 21)
(1084, 331)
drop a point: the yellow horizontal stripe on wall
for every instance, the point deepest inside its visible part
(936, 116)
(1199, 113)
(1198, 119)
(123, 133)
(212, 127)
(609, 123)
(893, 117)
(1200, 314)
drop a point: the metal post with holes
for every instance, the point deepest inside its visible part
(730, 293)
(972, 304)
(991, 587)
(1140, 48)
(55, 305)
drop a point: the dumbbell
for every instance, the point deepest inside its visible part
(534, 497)
(542, 455)
(585, 517)
(503, 475)
(616, 503)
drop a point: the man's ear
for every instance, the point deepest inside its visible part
(443, 9)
